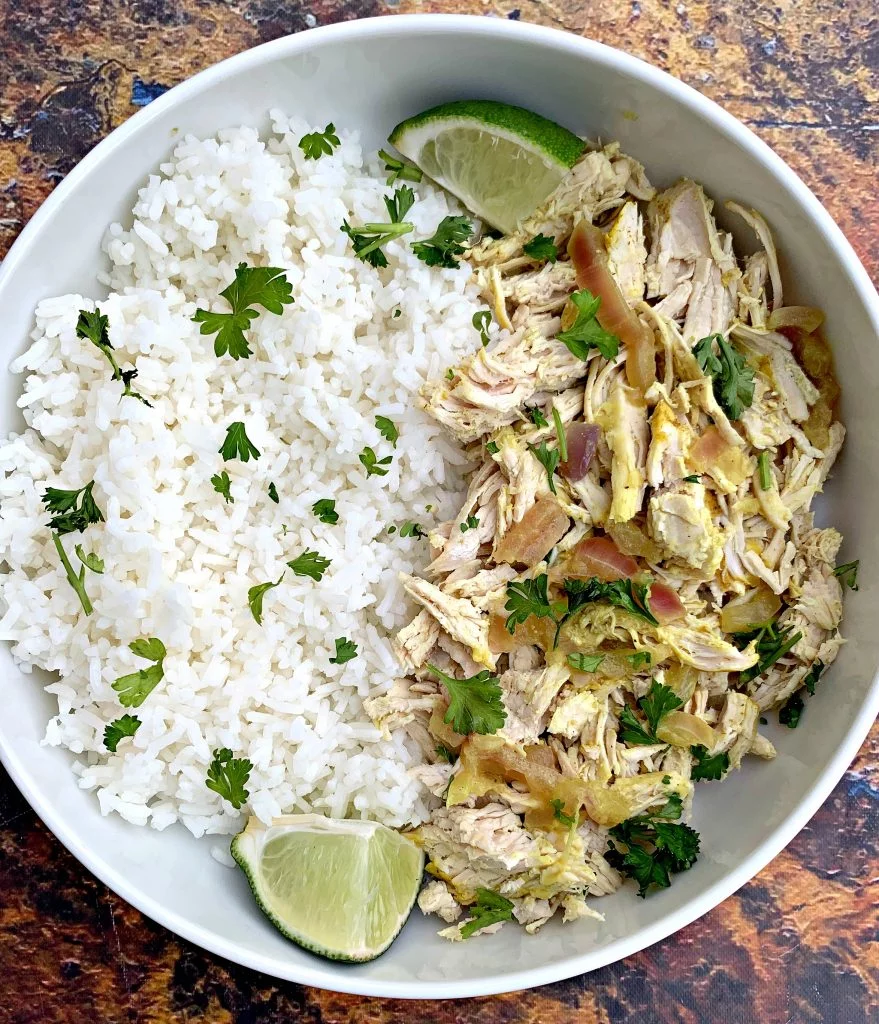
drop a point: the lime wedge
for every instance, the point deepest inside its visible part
(342, 889)
(501, 161)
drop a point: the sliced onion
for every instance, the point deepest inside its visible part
(685, 730)
(665, 603)
(709, 449)
(682, 679)
(599, 556)
(806, 318)
(589, 256)
(630, 538)
(748, 611)
(536, 533)
(582, 441)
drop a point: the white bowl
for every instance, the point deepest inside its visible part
(370, 75)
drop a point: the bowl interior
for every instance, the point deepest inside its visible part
(369, 76)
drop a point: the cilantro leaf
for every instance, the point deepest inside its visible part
(237, 444)
(549, 458)
(489, 908)
(252, 286)
(373, 464)
(222, 484)
(558, 812)
(470, 523)
(388, 429)
(585, 662)
(325, 510)
(255, 598)
(732, 376)
(90, 560)
(631, 595)
(71, 510)
(410, 529)
(127, 725)
(792, 711)
(586, 332)
(228, 775)
(654, 847)
(708, 767)
(317, 144)
(398, 169)
(847, 574)
(311, 564)
(639, 658)
(535, 414)
(400, 203)
(446, 245)
(542, 249)
(480, 321)
(529, 597)
(346, 650)
(93, 327)
(475, 704)
(135, 687)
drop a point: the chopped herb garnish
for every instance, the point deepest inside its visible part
(310, 563)
(398, 313)
(253, 286)
(654, 847)
(273, 492)
(847, 574)
(450, 374)
(398, 170)
(444, 754)
(708, 767)
(812, 676)
(400, 203)
(237, 444)
(639, 658)
(772, 643)
(368, 239)
(489, 908)
(228, 775)
(93, 327)
(631, 595)
(71, 510)
(325, 510)
(373, 464)
(222, 484)
(763, 471)
(134, 688)
(255, 597)
(535, 414)
(317, 144)
(558, 812)
(475, 703)
(732, 376)
(655, 705)
(529, 597)
(346, 650)
(480, 321)
(388, 429)
(89, 559)
(470, 523)
(492, 448)
(127, 725)
(792, 711)
(586, 662)
(446, 245)
(586, 332)
(392, 529)
(410, 529)
(541, 248)
(560, 434)
(694, 479)
(549, 458)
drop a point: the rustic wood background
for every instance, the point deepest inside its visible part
(798, 944)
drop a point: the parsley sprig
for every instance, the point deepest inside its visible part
(93, 327)
(541, 249)
(586, 332)
(732, 376)
(489, 908)
(388, 429)
(373, 465)
(480, 321)
(654, 705)
(346, 650)
(222, 484)
(446, 245)
(317, 144)
(368, 239)
(73, 511)
(585, 662)
(475, 703)
(256, 595)
(531, 597)
(649, 848)
(228, 775)
(707, 766)
(135, 687)
(237, 444)
(253, 286)
(325, 510)
(115, 732)
(549, 458)
(311, 564)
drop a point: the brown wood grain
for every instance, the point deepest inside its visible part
(798, 944)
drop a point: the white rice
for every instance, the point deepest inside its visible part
(179, 560)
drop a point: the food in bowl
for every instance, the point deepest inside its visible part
(618, 438)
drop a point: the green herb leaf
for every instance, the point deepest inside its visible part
(732, 376)
(764, 472)
(368, 240)
(450, 374)
(561, 437)
(237, 444)
(310, 563)
(475, 703)
(410, 529)
(480, 321)
(253, 286)
(792, 711)
(325, 510)
(638, 659)
(446, 245)
(388, 430)
(586, 332)
(444, 754)
(222, 484)
(373, 464)
(631, 730)
(694, 479)
(535, 414)
(90, 560)
(470, 523)
(492, 448)
(489, 908)
(398, 169)
(346, 650)
(631, 595)
(93, 327)
(658, 702)
(529, 597)
(708, 767)
(558, 812)
(654, 847)
(127, 725)
(71, 510)
(586, 662)
(812, 676)
(228, 775)
(772, 643)
(255, 597)
(542, 249)
(549, 458)
(134, 688)
(847, 574)
(317, 144)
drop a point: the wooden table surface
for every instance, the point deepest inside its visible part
(798, 944)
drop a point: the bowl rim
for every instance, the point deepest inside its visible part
(329, 975)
